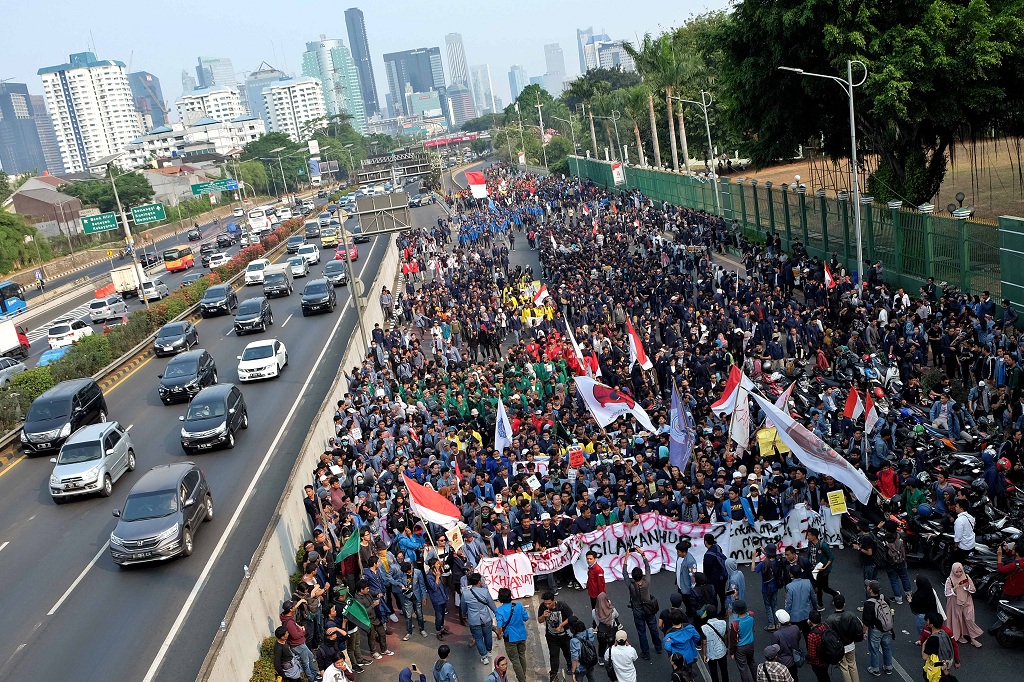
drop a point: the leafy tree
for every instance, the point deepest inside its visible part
(15, 252)
(646, 56)
(133, 189)
(480, 146)
(5, 187)
(254, 174)
(938, 71)
(601, 80)
(583, 91)
(482, 123)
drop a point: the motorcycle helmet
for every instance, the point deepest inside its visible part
(865, 358)
(1003, 464)
(905, 412)
(924, 510)
(918, 428)
(979, 486)
(879, 393)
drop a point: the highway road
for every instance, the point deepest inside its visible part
(67, 606)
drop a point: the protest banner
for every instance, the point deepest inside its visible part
(513, 571)
(555, 558)
(792, 531)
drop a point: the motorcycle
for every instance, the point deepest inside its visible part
(1009, 626)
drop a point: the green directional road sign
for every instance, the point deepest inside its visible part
(215, 186)
(150, 213)
(99, 223)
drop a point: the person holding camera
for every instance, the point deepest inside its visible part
(643, 605)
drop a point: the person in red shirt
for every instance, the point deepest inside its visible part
(595, 578)
(1014, 586)
(888, 484)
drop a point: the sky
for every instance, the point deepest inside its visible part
(171, 38)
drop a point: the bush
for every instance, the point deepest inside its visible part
(127, 336)
(263, 668)
(21, 390)
(84, 359)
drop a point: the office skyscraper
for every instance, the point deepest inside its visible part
(357, 40)
(253, 89)
(92, 108)
(419, 69)
(188, 82)
(583, 36)
(457, 67)
(517, 80)
(554, 60)
(149, 98)
(292, 104)
(330, 62)
(483, 91)
(215, 71)
(20, 148)
(47, 138)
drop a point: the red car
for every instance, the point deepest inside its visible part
(353, 252)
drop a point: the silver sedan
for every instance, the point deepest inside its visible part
(299, 266)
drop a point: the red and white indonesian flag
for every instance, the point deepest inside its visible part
(583, 363)
(829, 280)
(541, 295)
(636, 348)
(608, 404)
(477, 184)
(870, 415)
(854, 407)
(727, 403)
(431, 506)
(814, 453)
(739, 425)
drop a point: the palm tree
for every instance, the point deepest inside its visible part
(646, 59)
(586, 90)
(634, 101)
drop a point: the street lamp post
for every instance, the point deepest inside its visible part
(614, 118)
(356, 286)
(522, 139)
(540, 119)
(704, 103)
(572, 131)
(848, 86)
(106, 162)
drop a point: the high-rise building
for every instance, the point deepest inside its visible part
(92, 108)
(47, 138)
(188, 81)
(554, 60)
(149, 98)
(216, 71)
(20, 148)
(221, 103)
(602, 52)
(330, 62)
(483, 91)
(357, 40)
(253, 89)
(517, 80)
(593, 44)
(421, 69)
(457, 65)
(460, 105)
(583, 36)
(292, 104)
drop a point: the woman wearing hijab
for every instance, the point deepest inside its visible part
(607, 619)
(922, 602)
(736, 584)
(705, 600)
(960, 606)
(500, 672)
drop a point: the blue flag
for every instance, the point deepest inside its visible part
(681, 435)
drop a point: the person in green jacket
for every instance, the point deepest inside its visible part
(820, 554)
(914, 496)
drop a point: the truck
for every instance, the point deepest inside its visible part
(13, 340)
(126, 280)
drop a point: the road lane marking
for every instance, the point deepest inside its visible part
(222, 541)
(286, 319)
(11, 465)
(81, 576)
(900, 670)
(129, 428)
(4, 545)
(127, 376)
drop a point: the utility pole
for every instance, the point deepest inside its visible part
(540, 118)
(140, 273)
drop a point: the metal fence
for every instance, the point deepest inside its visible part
(911, 246)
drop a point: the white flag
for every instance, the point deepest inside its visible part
(502, 429)
(608, 404)
(739, 427)
(782, 403)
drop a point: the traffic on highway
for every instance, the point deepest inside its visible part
(184, 445)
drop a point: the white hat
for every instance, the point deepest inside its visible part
(545, 517)
(782, 616)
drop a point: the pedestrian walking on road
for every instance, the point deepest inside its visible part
(772, 670)
(741, 640)
(511, 619)
(480, 608)
(443, 670)
(643, 605)
(555, 616)
(607, 619)
(822, 559)
(960, 606)
(787, 637)
(766, 563)
(878, 627)
(922, 602)
(595, 578)
(377, 635)
(800, 599)
(297, 640)
(621, 657)
(582, 650)
(816, 647)
(500, 672)
(438, 597)
(850, 630)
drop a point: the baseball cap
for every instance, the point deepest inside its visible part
(545, 517)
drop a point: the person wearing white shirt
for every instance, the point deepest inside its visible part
(336, 671)
(716, 633)
(622, 657)
(963, 531)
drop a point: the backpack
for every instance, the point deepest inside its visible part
(832, 649)
(895, 551)
(883, 614)
(946, 653)
(588, 653)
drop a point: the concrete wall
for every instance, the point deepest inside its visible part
(252, 615)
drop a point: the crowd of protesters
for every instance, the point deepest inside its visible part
(471, 330)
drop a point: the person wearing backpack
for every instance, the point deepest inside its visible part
(879, 629)
(511, 619)
(766, 563)
(582, 650)
(824, 648)
(850, 630)
(787, 637)
(896, 562)
(643, 604)
(938, 642)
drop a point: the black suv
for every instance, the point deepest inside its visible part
(219, 299)
(161, 515)
(213, 417)
(186, 375)
(254, 314)
(318, 296)
(61, 411)
(205, 251)
(294, 242)
(194, 235)
(336, 273)
(225, 239)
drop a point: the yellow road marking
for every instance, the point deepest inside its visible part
(11, 465)
(129, 374)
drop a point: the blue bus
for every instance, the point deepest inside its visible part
(12, 300)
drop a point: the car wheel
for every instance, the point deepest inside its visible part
(58, 500)
(271, 320)
(305, 313)
(186, 542)
(209, 508)
(202, 314)
(245, 420)
(131, 460)
(103, 416)
(188, 451)
(285, 359)
(238, 332)
(231, 439)
(108, 486)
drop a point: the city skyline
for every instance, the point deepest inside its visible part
(508, 35)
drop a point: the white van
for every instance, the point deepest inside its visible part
(254, 271)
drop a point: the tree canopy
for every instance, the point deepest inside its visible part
(485, 122)
(133, 188)
(15, 252)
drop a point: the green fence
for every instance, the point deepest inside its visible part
(912, 246)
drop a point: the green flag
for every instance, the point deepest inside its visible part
(357, 614)
(350, 547)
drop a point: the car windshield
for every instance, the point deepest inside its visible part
(258, 352)
(315, 289)
(150, 505)
(204, 411)
(180, 369)
(60, 329)
(256, 266)
(214, 294)
(297, 260)
(96, 305)
(334, 267)
(249, 308)
(309, 248)
(168, 330)
(74, 453)
(48, 409)
(298, 239)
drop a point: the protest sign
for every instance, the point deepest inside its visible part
(837, 502)
(455, 540)
(555, 558)
(513, 571)
(533, 482)
(576, 457)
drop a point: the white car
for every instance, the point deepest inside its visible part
(9, 368)
(238, 213)
(103, 309)
(311, 252)
(284, 214)
(218, 259)
(67, 332)
(154, 289)
(262, 360)
(254, 271)
(299, 266)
